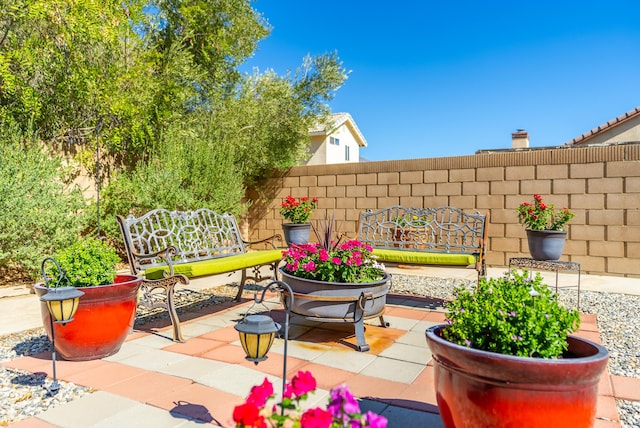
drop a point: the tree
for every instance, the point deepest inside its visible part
(155, 87)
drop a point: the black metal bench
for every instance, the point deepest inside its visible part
(168, 247)
(426, 236)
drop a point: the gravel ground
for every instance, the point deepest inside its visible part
(22, 394)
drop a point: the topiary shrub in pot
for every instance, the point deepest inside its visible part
(505, 358)
(107, 309)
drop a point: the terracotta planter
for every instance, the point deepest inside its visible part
(339, 302)
(484, 389)
(104, 318)
(546, 244)
(410, 237)
(296, 233)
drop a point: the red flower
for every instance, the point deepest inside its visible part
(248, 415)
(316, 418)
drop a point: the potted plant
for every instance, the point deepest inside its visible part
(297, 212)
(342, 409)
(107, 309)
(336, 280)
(545, 227)
(505, 358)
(411, 228)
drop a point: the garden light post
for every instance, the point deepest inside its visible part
(62, 303)
(258, 331)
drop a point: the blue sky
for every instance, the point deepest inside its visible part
(433, 78)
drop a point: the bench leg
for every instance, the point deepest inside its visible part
(175, 321)
(241, 286)
(150, 300)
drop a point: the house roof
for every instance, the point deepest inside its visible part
(584, 138)
(336, 120)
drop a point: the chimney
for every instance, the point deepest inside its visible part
(520, 139)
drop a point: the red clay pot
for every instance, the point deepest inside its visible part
(104, 318)
(484, 389)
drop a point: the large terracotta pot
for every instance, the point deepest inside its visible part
(339, 302)
(484, 389)
(104, 318)
(546, 244)
(296, 233)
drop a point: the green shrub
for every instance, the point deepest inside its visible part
(87, 262)
(39, 213)
(504, 315)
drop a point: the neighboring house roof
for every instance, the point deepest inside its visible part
(586, 137)
(336, 120)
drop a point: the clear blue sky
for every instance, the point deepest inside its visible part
(435, 78)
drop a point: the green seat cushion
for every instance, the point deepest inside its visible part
(219, 265)
(424, 258)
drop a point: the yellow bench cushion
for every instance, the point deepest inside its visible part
(424, 258)
(219, 265)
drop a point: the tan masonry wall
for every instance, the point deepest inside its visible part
(601, 185)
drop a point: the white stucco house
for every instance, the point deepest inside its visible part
(338, 141)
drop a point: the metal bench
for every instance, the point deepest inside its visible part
(168, 247)
(426, 236)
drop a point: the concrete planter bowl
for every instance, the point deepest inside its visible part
(339, 302)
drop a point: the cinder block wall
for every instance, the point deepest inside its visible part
(601, 185)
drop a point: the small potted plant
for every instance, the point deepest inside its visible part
(505, 358)
(545, 227)
(342, 409)
(107, 309)
(297, 212)
(410, 228)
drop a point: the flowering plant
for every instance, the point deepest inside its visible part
(512, 315)
(411, 220)
(342, 410)
(351, 261)
(540, 216)
(298, 211)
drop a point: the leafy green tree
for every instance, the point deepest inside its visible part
(39, 209)
(154, 87)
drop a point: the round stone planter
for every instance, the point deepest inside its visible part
(296, 233)
(104, 318)
(478, 389)
(546, 244)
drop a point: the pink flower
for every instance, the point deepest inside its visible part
(336, 261)
(316, 418)
(303, 383)
(260, 393)
(309, 267)
(324, 255)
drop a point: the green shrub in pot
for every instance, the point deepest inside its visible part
(513, 315)
(88, 262)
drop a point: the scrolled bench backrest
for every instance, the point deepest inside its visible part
(444, 229)
(197, 235)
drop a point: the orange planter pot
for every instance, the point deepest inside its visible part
(484, 389)
(104, 318)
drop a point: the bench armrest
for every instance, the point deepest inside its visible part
(270, 240)
(165, 254)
